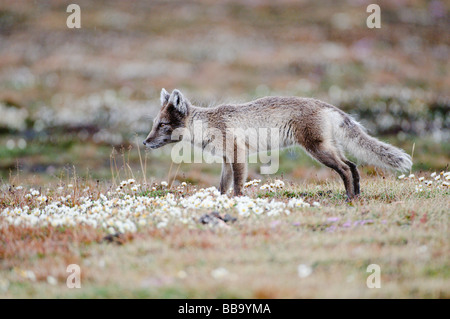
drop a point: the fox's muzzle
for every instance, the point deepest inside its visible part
(152, 145)
(156, 143)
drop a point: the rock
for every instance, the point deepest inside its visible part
(228, 218)
(207, 219)
(214, 217)
(116, 238)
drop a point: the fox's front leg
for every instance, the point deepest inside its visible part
(239, 177)
(226, 177)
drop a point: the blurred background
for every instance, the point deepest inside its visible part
(74, 99)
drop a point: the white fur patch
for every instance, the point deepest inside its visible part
(164, 96)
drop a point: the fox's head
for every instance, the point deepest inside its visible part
(173, 114)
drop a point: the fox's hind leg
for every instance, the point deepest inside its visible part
(352, 166)
(356, 177)
(330, 157)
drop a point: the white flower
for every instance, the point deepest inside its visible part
(30, 275)
(162, 224)
(4, 284)
(142, 222)
(279, 184)
(42, 199)
(297, 202)
(401, 176)
(164, 183)
(120, 212)
(258, 210)
(304, 270)
(219, 273)
(52, 280)
(242, 209)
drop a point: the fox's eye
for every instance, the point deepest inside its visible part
(162, 125)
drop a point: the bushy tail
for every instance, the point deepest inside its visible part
(368, 149)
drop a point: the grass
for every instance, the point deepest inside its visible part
(392, 225)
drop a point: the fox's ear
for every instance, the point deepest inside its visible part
(180, 103)
(164, 96)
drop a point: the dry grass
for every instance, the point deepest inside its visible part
(392, 225)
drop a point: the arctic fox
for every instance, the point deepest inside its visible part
(323, 130)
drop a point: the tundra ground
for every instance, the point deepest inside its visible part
(291, 251)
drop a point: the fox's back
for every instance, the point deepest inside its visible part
(266, 112)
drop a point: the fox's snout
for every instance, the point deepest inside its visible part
(153, 139)
(157, 140)
(147, 142)
(151, 144)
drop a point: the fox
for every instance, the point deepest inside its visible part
(323, 130)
